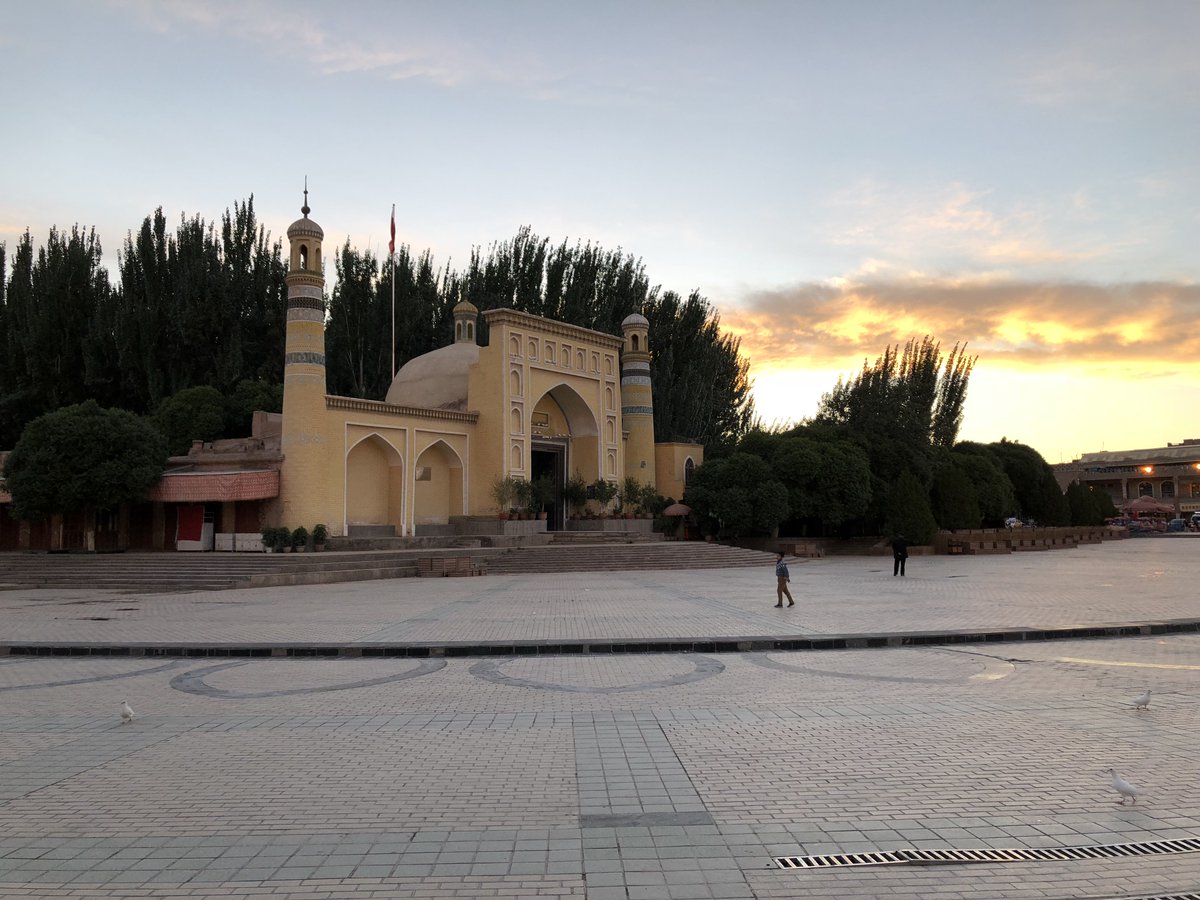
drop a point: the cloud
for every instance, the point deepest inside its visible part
(296, 31)
(1146, 327)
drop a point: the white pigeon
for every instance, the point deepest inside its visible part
(1122, 787)
(1143, 701)
(126, 712)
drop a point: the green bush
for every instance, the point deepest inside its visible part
(320, 534)
(300, 537)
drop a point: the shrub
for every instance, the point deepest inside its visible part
(300, 537)
(320, 534)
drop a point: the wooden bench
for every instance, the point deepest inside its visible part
(444, 566)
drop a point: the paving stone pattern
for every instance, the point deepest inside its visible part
(650, 776)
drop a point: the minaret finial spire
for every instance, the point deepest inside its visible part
(304, 209)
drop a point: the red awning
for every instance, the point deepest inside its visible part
(224, 487)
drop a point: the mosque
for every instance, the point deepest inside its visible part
(542, 399)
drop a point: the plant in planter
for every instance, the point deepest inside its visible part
(270, 539)
(631, 496)
(605, 491)
(576, 494)
(299, 539)
(504, 494)
(524, 496)
(543, 495)
(320, 534)
(650, 501)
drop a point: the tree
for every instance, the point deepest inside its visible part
(1087, 505)
(1037, 492)
(993, 490)
(250, 396)
(908, 511)
(953, 497)
(83, 457)
(193, 414)
(828, 480)
(900, 409)
(739, 494)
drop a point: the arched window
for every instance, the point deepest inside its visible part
(470, 331)
(1145, 489)
(458, 335)
(1167, 489)
(635, 343)
(304, 256)
(689, 469)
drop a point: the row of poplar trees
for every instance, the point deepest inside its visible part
(204, 304)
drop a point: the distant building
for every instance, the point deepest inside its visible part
(1170, 474)
(544, 399)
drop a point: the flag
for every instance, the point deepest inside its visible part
(392, 242)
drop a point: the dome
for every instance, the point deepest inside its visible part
(305, 228)
(435, 380)
(463, 307)
(635, 319)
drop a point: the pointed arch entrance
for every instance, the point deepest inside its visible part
(566, 439)
(437, 485)
(375, 484)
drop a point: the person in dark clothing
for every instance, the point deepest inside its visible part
(899, 554)
(782, 577)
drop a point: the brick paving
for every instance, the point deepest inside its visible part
(646, 776)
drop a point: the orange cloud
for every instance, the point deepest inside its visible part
(1142, 325)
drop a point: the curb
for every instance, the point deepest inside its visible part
(600, 646)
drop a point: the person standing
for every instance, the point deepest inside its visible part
(782, 577)
(899, 554)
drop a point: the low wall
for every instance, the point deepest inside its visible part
(638, 526)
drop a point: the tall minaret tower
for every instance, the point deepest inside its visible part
(637, 401)
(303, 440)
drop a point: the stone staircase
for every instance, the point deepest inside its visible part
(612, 556)
(153, 572)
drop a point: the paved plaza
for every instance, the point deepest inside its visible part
(619, 775)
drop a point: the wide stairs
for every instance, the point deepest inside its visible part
(163, 572)
(607, 554)
(151, 572)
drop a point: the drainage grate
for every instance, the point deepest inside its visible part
(910, 857)
(1190, 896)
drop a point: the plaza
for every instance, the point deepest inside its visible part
(600, 773)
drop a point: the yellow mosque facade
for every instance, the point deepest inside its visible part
(542, 399)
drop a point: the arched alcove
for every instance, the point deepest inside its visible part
(374, 483)
(437, 485)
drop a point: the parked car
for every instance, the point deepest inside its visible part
(1013, 522)
(1196, 520)
(1177, 525)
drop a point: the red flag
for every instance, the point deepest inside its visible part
(392, 242)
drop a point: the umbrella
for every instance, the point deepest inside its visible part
(676, 509)
(1147, 505)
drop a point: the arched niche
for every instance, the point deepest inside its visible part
(516, 421)
(437, 485)
(514, 383)
(514, 345)
(374, 483)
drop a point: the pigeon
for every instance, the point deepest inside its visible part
(1142, 702)
(126, 712)
(1122, 787)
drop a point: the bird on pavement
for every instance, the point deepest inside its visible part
(126, 712)
(1143, 701)
(1122, 787)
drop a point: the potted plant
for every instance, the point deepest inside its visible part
(604, 491)
(650, 501)
(270, 540)
(524, 495)
(504, 493)
(576, 494)
(320, 534)
(631, 496)
(299, 539)
(543, 495)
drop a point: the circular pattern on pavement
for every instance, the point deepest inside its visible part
(82, 678)
(592, 672)
(943, 667)
(195, 682)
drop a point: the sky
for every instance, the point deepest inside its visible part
(835, 177)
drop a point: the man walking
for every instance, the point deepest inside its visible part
(899, 555)
(782, 577)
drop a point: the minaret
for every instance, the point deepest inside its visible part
(637, 401)
(303, 439)
(466, 315)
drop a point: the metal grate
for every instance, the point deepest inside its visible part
(1190, 896)
(910, 857)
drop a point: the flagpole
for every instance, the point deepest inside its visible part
(392, 259)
